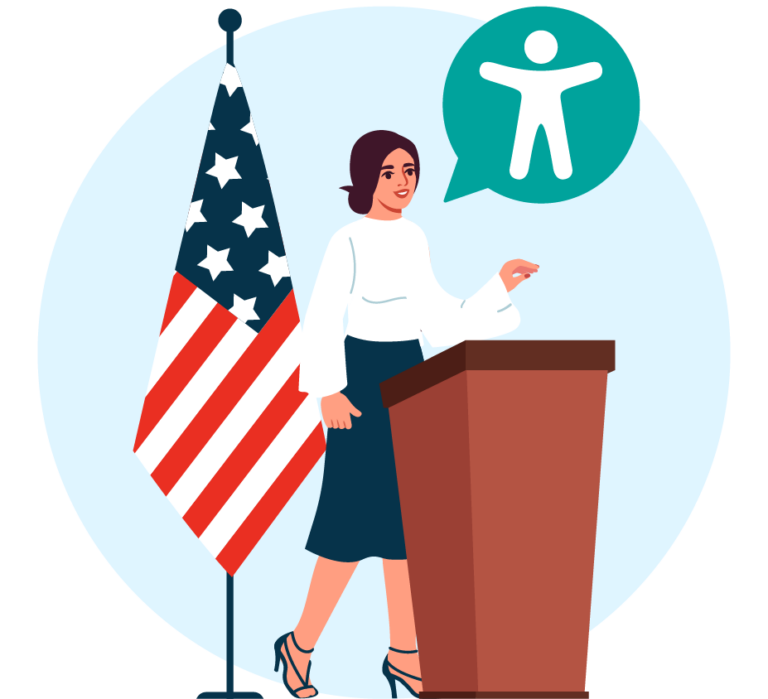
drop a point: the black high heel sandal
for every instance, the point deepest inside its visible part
(279, 656)
(391, 678)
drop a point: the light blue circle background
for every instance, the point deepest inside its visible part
(631, 261)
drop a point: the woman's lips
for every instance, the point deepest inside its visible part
(403, 193)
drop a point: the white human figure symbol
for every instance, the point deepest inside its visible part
(540, 103)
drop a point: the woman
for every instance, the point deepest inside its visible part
(378, 269)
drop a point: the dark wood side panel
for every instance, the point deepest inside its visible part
(431, 443)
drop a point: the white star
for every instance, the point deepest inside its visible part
(216, 261)
(195, 214)
(277, 267)
(251, 219)
(243, 308)
(210, 127)
(251, 129)
(230, 79)
(224, 170)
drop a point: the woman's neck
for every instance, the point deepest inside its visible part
(381, 212)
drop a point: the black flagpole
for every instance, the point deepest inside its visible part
(230, 693)
(230, 21)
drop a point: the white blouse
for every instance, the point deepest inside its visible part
(381, 272)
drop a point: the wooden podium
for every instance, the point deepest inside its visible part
(498, 446)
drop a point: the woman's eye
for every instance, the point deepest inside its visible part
(388, 175)
(409, 172)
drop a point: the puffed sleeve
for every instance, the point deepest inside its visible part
(446, 320)
(323, 368)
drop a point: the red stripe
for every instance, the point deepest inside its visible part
(184, 366)
(227, 394)
(267, 509)
(181, 290)
(245, 455)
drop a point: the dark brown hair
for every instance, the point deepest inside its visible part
(365, 163)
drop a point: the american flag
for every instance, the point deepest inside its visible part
(224, 430)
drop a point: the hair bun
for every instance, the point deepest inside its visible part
(358, 201)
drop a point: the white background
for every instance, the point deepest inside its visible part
(71, 627)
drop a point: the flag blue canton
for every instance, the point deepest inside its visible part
(232, 248)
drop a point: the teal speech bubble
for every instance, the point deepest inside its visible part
(540, 105)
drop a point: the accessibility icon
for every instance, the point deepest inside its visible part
(540, 105)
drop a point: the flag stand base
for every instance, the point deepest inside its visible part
(230, 693)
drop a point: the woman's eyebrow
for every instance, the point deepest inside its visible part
(388, 167)
(409, 165)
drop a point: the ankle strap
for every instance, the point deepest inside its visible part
(397, 650)
(298, 647)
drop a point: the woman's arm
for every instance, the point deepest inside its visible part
(323, 368)
(447, 320)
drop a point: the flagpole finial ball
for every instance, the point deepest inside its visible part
(230, 20)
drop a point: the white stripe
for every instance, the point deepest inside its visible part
(261, 477)
(195, 394)
(237, 423)
(178, 332)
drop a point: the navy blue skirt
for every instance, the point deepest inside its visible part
(358, 514)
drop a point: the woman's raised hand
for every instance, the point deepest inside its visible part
(521, 268)
(337, 411)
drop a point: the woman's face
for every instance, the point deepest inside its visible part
(397, 180)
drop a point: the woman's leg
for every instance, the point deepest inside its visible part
(402, 629)
(328, 582)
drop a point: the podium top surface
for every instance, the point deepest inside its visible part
(500, 355)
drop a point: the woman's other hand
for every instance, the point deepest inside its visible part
(337, 411)
(521, 268)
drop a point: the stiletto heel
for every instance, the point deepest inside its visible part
(392, 686)
(283, 640)
(385, 668)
